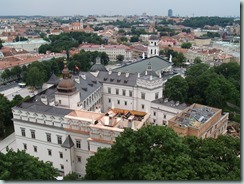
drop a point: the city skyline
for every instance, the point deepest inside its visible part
(111, 7)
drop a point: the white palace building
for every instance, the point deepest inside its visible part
(66, 122)
(71, 118)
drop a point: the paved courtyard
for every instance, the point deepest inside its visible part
(10, 93)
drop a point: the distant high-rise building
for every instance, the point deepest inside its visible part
(170, 13)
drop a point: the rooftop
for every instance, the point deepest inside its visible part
(157, 63)
(195, 116)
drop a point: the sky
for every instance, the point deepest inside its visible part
(120, 7)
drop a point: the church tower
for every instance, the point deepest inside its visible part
(153, 47)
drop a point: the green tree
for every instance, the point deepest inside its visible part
(71, 176)
(176, 89)
(197, 60)
(220, 91)
(158, 153)
(134, 39)
(120, 58)
(186, 45)
(6, 74)
(1, 43)
(35, 77)
(22, 166)
(16, 72)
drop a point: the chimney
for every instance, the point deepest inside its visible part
(150, 77)
(146, 72)
(138, 75)
(160, 75)
(83, 76)
(110, 71)
(127, 74)
(119, 73)
(133, 125)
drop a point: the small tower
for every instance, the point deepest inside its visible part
(153, 48)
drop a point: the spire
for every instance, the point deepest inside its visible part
(65, 71)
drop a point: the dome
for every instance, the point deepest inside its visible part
(66, 85)
(98, 67)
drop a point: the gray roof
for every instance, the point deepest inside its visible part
(39, 107)
(34, 104)
(87, 86)
(115, 78)
(98, 67)
(154, 37)
(53, 80)
(68, 143)
(157, 63)
(171, 103)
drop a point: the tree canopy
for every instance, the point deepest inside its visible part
(200, 22)
(66, 41)
(158, 153)
(176, 89)
(186, 45)
(22, 166)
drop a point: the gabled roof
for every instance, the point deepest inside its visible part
(53, 79)
(68, 143)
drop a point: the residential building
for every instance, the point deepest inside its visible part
(111, 50)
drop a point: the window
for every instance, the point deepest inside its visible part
(59, 101)
(130, 93)
(35, 148)
(78, 159)
(117, 91)
(7, 148)
(49, 152)
(124, 92)
(125, 102)
(142, 106)
(33, 135)
(143, 95)
(164, 116)
(25, 146)
(61, 166)
(48, 137)
(164, 122)
(156, 95)
(109, 100)
(61, 155)
(23, 131)
(77, 143)
(59, 139)
(109, 90)
(154, 120)
(154, 113)
(118, 101)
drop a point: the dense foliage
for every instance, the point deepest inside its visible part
(66, 41)
(211, 35)
(22, 166)
(176, 89)
(200, 22)
(1, 43)
(158, 153)
(6, 124)
(186, 45)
